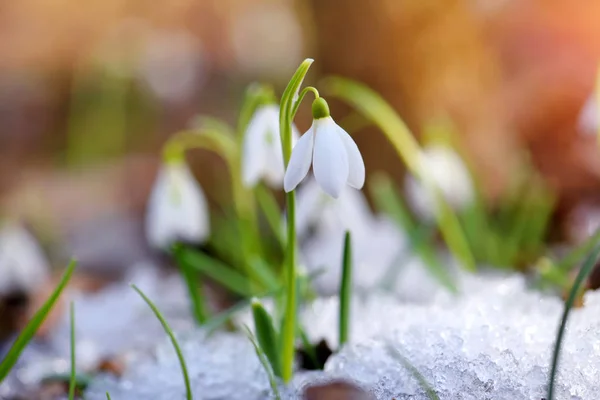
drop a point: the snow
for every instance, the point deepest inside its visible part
(493, 342)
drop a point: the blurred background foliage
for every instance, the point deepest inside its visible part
(90, 91)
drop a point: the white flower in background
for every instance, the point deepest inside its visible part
(376, 248)
(447, 173)
(177, 209)
(333, 154)
(589, 120)
(261, 154)
(23, 265)
(317, 211)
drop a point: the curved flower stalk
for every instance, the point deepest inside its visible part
(177, 209)
(261, 151)
(23, 265)
(334, 156)
(447, 174)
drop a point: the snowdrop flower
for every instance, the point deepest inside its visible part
(261, 154)
(333, 154)
(589, 120)
(23, 265)
(177, 209)
(447, 173)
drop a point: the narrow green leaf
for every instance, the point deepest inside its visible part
(169, 332)
(264, 272)
(271, 210)
(345, 290)
(287, 104)
(108, 396)
(29, 331)
(569, 261)
(215, 270)
(198, 304)
(584, 272)
(388, 201)
(414, 371)
(266, 335)
(375, 108)
(265, 363)
(73, 380)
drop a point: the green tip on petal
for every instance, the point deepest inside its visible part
(320, 108)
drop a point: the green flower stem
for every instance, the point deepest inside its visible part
(286, 116)
(395, 130)
(301, 97)
(226, 147)
(195, 289)
(345, 289)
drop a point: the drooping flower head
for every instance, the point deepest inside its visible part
(261, 153)
(334, 156)
(177, 209)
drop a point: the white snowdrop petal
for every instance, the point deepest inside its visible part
(356, 174)
(330, 164)
(300, 161)
(254, 149)
(274, 168)
(177, 209)
(23, 265)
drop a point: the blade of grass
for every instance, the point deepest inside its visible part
(215, 270)
(584, 272)
(572, 258)
(345, 290)
(266, 335)
(387, 200)
(265, 363)
(271, 210)
(199, 308)
(31, 328)
(169, 332)
(263, 270)
(108, 396)
(73, 380)
(414, 371)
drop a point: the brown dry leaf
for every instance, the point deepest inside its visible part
(336, 390)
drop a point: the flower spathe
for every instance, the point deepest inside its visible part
(261, 151)
(177, 208)
(334, 156)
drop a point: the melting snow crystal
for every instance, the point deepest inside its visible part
(494, 342)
